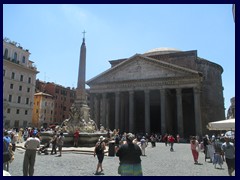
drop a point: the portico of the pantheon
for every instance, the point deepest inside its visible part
(164, 90)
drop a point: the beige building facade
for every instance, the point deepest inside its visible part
(162, 91)
(19, 77)
(43, 110)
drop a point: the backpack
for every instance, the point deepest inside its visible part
(99, 148)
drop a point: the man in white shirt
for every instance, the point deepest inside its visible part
(31, 146)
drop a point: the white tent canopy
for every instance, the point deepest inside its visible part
(227, 125)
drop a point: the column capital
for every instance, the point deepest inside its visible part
(197, 90)
(162, 91)
(178, 91)
(131, 92)
(146, 91)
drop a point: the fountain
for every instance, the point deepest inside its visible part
(79, 117)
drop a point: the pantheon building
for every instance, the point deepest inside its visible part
(164, 90)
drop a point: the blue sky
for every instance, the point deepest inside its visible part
(53, 35)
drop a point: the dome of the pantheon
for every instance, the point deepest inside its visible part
(158, 51)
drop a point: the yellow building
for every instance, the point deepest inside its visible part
(43, 110)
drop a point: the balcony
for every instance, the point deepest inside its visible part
(33, 67)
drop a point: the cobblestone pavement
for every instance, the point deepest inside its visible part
(158, 162)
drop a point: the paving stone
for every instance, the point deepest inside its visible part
(158, 162)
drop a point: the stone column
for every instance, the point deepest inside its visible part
(104, 95)
(131, 111)
(107, 113)
(96, 112)
(163, 110)
(117, 109)
(122, 112)
(101, 109)
(197, 109)
(179, 112)
(147, 111)
(92, 106)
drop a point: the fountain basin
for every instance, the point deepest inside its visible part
(85, 139)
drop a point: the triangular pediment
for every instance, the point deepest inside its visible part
(139, 67)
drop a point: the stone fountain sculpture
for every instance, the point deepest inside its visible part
(79, 120)
(79, 117)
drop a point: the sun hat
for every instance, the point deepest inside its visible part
(227, 136)
(130, 136)
(101, 138)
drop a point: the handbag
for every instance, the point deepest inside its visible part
(7, 156)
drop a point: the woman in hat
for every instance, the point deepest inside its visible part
(99, 151)
(129, 156)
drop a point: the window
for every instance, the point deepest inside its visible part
(11, 86)
(16, 124)
(26, 112)
(7, 124)
(18, 111)
(25, 124)
(28, 89)
(21, 78)
(23, 59)
(10, 98)
(15, 57)
(8, 110)
(19, 99)
(36, 110)
(13, 75)
(4, 72)
(20, 88)
(29, 80)
(6, 53)
(27, 100)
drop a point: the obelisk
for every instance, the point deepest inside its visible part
(80, 91)
(80, 101)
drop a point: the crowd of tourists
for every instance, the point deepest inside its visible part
(127, 146)
(31, 139)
